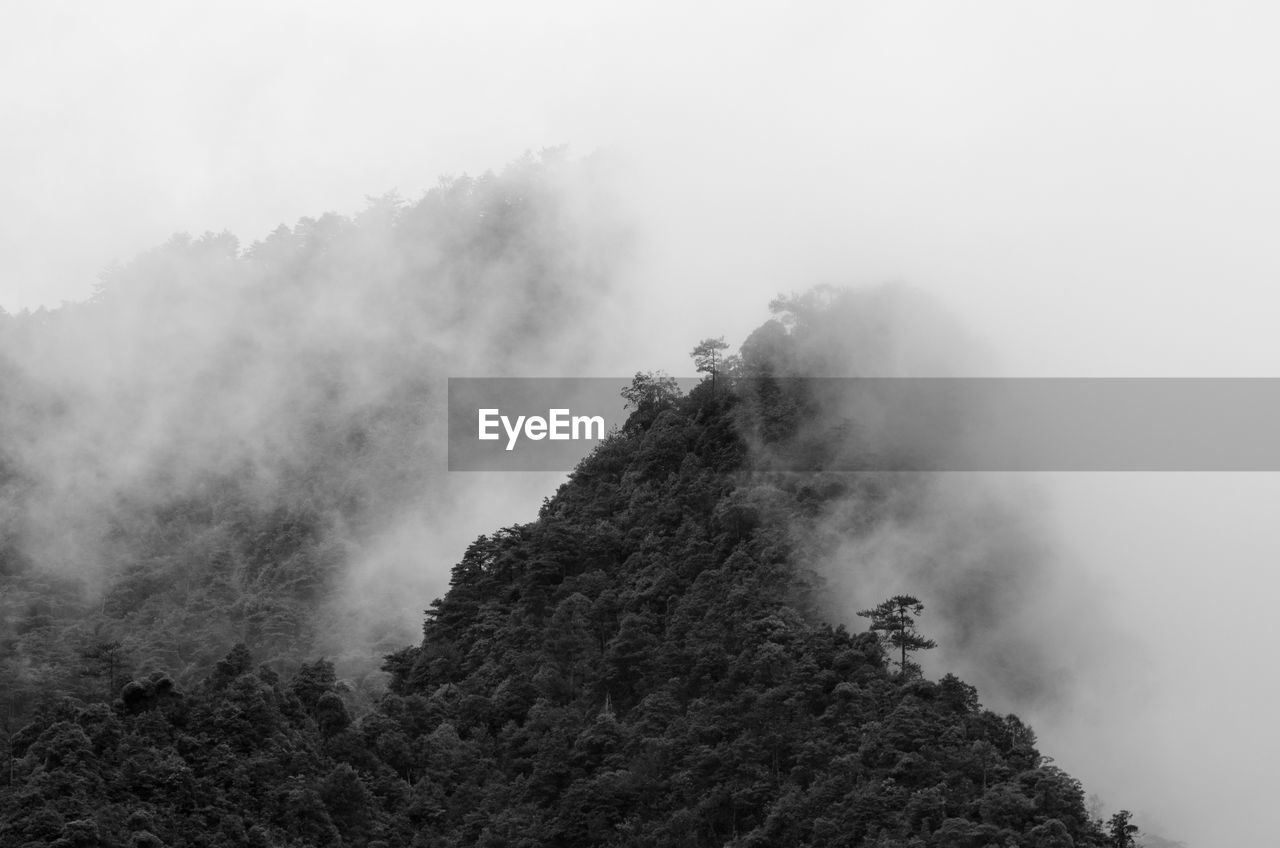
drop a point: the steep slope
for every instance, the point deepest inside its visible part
(645, 665)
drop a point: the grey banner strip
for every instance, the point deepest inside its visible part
(869, 424)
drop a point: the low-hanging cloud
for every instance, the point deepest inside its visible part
(299, 383)
(976, 547)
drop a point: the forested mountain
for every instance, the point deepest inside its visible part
(245, 444)
(649, 663)
(216, 473)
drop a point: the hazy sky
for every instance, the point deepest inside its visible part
(1091, 187)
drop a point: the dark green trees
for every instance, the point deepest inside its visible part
(894, 620)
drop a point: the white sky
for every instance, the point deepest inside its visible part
(1092, 187)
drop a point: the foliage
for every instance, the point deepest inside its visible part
(650, 662)
(645, 664)
(1121, 831)
(212, 479)
(649, 394)
(894, 620)
(708, 357)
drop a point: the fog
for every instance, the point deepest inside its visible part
(1090, 190)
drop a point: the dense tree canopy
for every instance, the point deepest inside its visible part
(653, 661)
(646, 664)
(197, 457)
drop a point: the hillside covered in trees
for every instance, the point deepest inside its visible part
(244, 444)
(217, 474)
(648, 663)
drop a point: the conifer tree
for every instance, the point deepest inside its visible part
(708, 357)
(894, 620)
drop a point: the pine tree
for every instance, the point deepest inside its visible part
(894, 619)
(708, 358)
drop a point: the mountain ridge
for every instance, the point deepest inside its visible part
(644, 664)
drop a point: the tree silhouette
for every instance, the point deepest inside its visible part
(1121, 831)
(894, 619)
(649, 394)
(707, 358)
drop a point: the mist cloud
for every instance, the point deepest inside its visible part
(302, 378)
(1090, 188)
